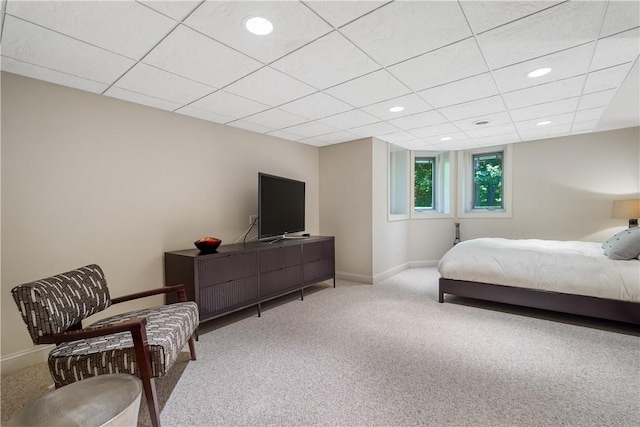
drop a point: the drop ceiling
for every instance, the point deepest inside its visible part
(330, 70)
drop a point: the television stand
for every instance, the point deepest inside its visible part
(243, 275)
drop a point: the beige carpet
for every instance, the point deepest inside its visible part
(389, 354)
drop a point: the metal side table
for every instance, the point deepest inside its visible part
(104, 400)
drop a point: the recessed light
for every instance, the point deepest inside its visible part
(539, 72)
(396, 109)
(481, 122)
(258, 25)
(546, 122)
(446, 138)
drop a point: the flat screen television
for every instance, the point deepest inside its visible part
(280, 206)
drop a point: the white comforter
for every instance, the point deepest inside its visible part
(578, 268)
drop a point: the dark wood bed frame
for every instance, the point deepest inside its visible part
(622, 311)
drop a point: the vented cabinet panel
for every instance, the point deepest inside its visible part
(228, 295)
(318, 250)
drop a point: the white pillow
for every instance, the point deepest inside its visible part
(624, 245)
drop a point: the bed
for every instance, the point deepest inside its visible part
(584, 278)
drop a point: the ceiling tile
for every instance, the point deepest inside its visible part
(494, 119)
(411, 103)
(547, 132)
(596, 99)
(560, 27)
(482, 132)
(177, 10)
(567, 63)
(460, 144)
(568, 105)
(617, 49)
(477, 108)
(369, 89)
(161, 84)
(349, 119)
(395, 137)
(337, 137)
(405, 29)
(204, 115)
(414, 121)
(311, 129)
(275, 119)
(490, 141)
(227, 104)
(415, 144)
(465, 90)
(294, 25)
(314, 142)
(242, 124)
(192, 55)
(557, 120)
(591, 114)
(338, 13)
(285, 134)
(316, 106)
(435, 130)
(49, 75)
(582, 127)
(374, 129)
(111, 25)
(33, 44)
(328, 61)
(620, 16)
(139, 98)
(485, 15)
(548, 92)
(445, 65)
(608, 78)
(270, 87)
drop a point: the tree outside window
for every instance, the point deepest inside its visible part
(424, 172)
(487, 182)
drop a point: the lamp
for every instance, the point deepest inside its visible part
(627, 209)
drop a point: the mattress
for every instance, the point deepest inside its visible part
(571, 267)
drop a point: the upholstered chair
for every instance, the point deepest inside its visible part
(144, 343)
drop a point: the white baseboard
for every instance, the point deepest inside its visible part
(423, 264)
(390, 272)
(354, 277)
(25, 358)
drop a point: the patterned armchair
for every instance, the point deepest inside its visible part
(144, 343)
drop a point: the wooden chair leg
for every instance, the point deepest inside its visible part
(143, 360)
(192, 347)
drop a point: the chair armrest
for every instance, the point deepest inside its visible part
(132, 326)
(182, 296)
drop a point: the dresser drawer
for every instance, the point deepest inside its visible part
(223, 268)
(279, 281)
(280, 257)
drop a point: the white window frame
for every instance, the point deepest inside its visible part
(442, 188)
(396, 180)
(466, 183)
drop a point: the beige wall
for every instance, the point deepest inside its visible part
(389, 239)
(88, 178)
(345, 206)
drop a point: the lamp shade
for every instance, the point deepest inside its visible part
(626, 208)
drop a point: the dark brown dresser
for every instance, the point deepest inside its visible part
(242, 275)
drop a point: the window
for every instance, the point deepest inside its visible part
(431, 184)
(398, 183)
(423, 183)
(485, 183)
